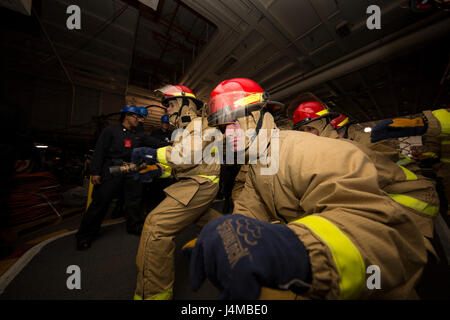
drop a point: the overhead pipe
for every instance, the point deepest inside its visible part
(410, 41)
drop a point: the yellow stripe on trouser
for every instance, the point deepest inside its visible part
(444, 119)
(214, 179)
(167, 295)
(415, 204)
(445, 142)
(409, 174)
(346, 256)
(161, 155)
(91, 189)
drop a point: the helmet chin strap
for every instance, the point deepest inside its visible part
(178, 114)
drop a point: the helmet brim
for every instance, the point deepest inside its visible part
(226, 115)
(330, 115)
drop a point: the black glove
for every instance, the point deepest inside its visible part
(239, 255)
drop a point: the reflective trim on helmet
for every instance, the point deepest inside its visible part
(343, 123)
(251, 99)
(180, 95)
(409, 174)
(321, 113)
(161, 155)
(346, 256)
(443, 117)
(415, 204)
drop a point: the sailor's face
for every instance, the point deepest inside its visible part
(234, 136)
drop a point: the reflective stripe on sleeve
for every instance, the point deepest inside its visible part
(444, 119)
(167, 171)
(161, 155)
(214, 179)
(415, 204)
(409, 174)
(430, 155)
(346, 256)
(405, 160)
(446, 160)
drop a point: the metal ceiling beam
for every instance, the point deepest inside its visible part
(100, 29)
(167, 39)
(386, 51)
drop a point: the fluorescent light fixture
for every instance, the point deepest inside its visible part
(41, 146)
(367, 129)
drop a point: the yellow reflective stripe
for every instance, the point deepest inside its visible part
(90, 190)
(444, 119)
(409, 174)
(405, 160)
(183, 94)
(167, 171)
(167, 295)
(321, 113)
(161, 155)
(446, 160)
(343, 123)
(445, 142)
(346, 256)
(250, 99)
(415, 204)
(430, 154)
(214, 179)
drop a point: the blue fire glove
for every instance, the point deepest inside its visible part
(150, 172)
(397, 128)
(239, 255)
(145, 154)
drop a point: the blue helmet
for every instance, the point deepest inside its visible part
(165, 118)
(131, 109)
(143, 111)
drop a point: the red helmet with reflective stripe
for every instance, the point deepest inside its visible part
(236, 98)
(339, 121)
(178, 91)
(310, 111)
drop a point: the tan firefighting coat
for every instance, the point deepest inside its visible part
(400, 177)
(438, 144)
(327, 192)
(356, 133)
(187, 202)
